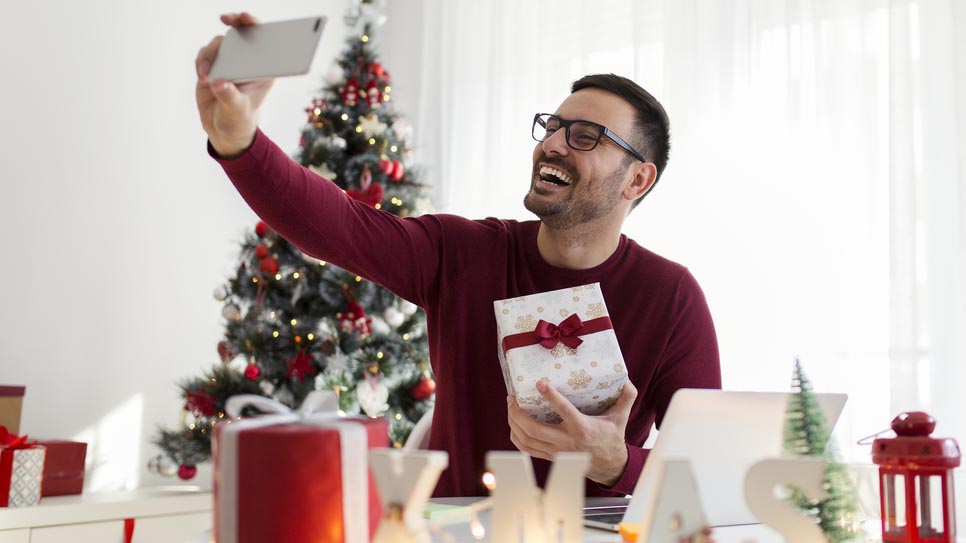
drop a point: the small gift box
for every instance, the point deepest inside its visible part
(295, 477)
(63, 467)
(566, 337)
(11, 404)
(21, 470)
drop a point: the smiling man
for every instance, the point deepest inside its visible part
(597, 156)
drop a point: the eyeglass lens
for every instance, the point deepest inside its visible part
(581, 135)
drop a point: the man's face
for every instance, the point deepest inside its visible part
(570, 187)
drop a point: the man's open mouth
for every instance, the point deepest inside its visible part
(555, 176)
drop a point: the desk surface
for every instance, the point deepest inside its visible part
(459, 531)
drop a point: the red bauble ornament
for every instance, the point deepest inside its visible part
(385, 166)
(397, 170)
(376, 69)
(252, 372)
(261, 229)
(187, 471)
(261, 251)
(225, 351)
(424, 389)
(269, 265)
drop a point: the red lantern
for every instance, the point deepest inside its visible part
(916, 482)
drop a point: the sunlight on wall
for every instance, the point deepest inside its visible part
(114, 448)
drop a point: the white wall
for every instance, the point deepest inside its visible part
(118, 225)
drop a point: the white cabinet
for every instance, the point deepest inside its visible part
(161, 515)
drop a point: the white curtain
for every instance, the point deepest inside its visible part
(816, 181)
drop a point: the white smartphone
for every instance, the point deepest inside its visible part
(267, 50)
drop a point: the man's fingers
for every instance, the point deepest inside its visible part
(206, 56)
(627, 397)
(528, 429)
(239, 19)
(538, 450)
(562, 405)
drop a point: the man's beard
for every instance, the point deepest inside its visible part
(585, 207)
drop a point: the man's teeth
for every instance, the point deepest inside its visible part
(555, 175)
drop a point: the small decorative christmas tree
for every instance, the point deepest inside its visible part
(807, 434)
(295, 324)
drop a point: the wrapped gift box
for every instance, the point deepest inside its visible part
(21, 471)
(566, 337)
(296, 478)
(63, 467)
(11, 403)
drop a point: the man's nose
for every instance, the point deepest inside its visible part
(556, 143)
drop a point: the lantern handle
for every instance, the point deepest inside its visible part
(867, 440)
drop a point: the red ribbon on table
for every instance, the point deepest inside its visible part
(549, 335)
(128, 530)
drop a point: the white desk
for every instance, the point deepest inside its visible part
(459, 532)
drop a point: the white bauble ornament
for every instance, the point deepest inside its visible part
(266, 387)
(393, 317)
(408, 308)
(163, 465)
(372, 396)
(379, 326)
(231, 312)
(220, 293)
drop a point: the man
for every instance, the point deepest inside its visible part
(598, 155)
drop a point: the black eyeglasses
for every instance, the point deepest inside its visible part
(581, 135)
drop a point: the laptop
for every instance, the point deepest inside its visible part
(722, 433)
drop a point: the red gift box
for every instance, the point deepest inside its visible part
(64, 467)
(296, 478)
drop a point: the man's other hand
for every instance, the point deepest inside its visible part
(228, 111)
(602, 435)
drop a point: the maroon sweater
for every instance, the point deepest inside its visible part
(454, 268)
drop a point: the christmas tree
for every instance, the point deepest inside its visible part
(295, 324)
(807, 434)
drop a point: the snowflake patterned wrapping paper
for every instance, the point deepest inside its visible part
(564, 336)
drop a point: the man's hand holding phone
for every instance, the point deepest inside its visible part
(228, 110)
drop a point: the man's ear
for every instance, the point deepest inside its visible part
(644, 177)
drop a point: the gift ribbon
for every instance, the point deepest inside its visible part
(320, 408)
(549, 335)
(128, 530)
(13, 441)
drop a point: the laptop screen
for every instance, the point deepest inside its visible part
(722, 433)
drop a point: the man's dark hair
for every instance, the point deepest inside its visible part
(652, 127)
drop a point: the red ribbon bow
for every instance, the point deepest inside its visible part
(567, 332)
(13, 441)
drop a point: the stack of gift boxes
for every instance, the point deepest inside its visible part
(31, 468)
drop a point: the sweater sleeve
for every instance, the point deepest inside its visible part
(322, 221)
